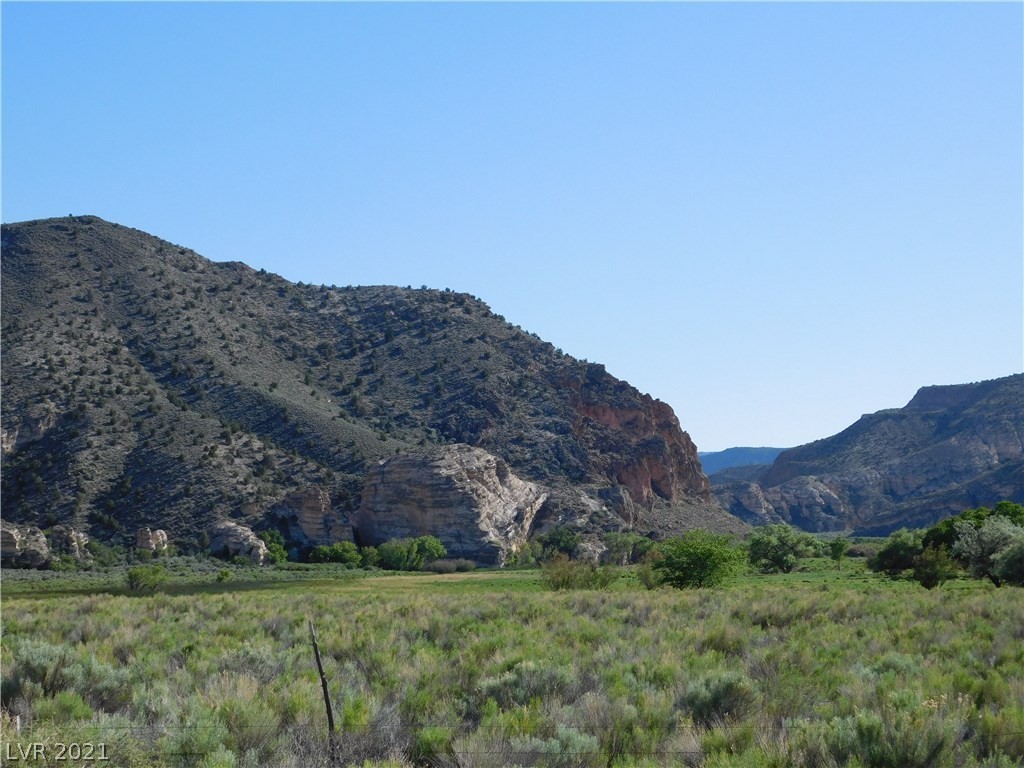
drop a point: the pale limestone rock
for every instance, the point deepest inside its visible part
(465, 496)
(68, 541)
(23, 546)
(150, 540)
(233, 540)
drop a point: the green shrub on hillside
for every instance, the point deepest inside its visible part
(275, 545)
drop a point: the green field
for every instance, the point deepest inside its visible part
(818, 668)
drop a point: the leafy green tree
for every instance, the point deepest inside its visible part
(775, 548)
(837, 549)
(981, 548)
(898, 553)
(344, 552)
(698, 559)
(1009, 563)
(934, 567)
(275, 545)
(562, 539)
(626, 548)
(1012, 512)
(394, 554)
(410, 554)
(429, 548)
(944, 533)
(368, 557)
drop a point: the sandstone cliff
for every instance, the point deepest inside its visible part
(23, 546)
(468, 498)
(949, 449)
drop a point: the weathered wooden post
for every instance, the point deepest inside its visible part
(327, 695)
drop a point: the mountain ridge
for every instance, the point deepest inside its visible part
(950, 448)
(148, 386)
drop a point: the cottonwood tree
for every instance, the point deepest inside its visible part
(837, 551)
(779, 547)
(982, 548)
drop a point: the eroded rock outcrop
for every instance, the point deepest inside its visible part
(150, 540)
(65, 540)
(229, 539)
(39, 420)
(310, 516)
(465, 496)
(23, 547)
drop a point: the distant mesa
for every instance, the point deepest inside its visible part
(716, 461)
(950, 448)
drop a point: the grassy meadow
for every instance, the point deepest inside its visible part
(817, 668)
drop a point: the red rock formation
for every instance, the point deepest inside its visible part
(650, 453)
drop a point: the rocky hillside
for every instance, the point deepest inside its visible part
(144, 385)
(951, 448)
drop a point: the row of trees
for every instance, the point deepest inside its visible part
(395, 555)
(409, 554)
(988, 543)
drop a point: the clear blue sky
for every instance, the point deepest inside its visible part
(773, 217)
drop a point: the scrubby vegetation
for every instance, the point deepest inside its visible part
(737, 653)
(818, 667)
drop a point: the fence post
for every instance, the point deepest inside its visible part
(327, 696)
